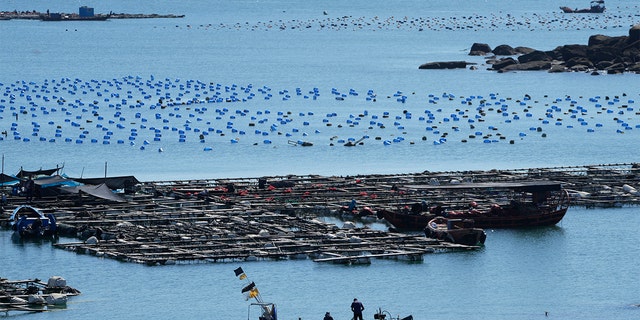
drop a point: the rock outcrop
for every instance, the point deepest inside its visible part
(601, 54)
(445, 65)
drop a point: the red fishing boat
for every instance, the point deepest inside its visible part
(489, 205)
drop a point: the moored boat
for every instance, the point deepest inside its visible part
(31, 222)
(597, 6)
(405, 220)
(459, 231)
(489, 205)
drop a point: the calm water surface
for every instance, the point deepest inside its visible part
(583, 268)
(577, 269)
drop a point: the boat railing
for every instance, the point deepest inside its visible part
(267, 310)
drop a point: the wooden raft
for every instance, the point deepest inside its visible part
(211, 236)
(279, 217)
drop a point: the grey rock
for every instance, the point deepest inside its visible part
(444, 65)
(479, 49)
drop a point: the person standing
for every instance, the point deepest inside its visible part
(327, 316)
(29, 189)
(357, 308)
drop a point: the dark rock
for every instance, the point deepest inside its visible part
(523, 50)
(502, 63)
(534, 56)
(479, 49)
(602, 40)
(602, 53)
(635, 68)
(578, 61)
(491, 60)
(554, 55)
(444, 65)
(613, 55)
(602, 65)
(631, 53)
(557, 68)
(616, 68)
(529, 66)
(504, 50)
(634, 33)
(579, 68)
(570, 51)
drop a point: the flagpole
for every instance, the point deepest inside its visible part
(253, 292)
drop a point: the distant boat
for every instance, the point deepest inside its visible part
(458, 231)
(511, 205)
(597, 6)
(30, 222)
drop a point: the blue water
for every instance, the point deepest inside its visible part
(98, 84)
(581, 269)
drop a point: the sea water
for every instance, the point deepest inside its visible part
(325, 72)
(583, 268)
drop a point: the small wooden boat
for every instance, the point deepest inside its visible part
(405, 220)
(459, 231)
(30, 222)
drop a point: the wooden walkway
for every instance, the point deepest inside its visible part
(280, 217)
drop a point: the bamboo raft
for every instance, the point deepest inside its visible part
(280, 217)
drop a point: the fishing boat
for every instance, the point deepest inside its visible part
(597, 6)
(458, 231)
(31, 222)
(489, 205)
(404, 220)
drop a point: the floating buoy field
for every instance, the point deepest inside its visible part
(137, 112)
(614, 17)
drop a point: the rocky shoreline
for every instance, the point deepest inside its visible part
(602, 54)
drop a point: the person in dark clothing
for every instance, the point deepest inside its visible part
(327, 316)
(357, 308)
(29, 188)
(37, 225)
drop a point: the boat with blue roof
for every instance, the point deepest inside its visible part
(31, 223)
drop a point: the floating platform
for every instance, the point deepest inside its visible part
(283, 217)
(33, 295)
